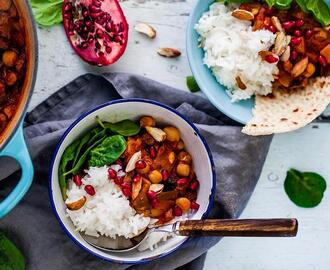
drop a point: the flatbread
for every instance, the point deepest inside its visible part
(287, 111)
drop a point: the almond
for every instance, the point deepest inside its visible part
(299, 67)
(276, 22)
(169, 52)
(145, 29)
(240, 83)
(156, 187)
(73, 206)
(158, 134)
(131, 163)
(280, 43)
(243, 15)
(286, 55)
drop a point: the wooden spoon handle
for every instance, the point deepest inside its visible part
(241, 227)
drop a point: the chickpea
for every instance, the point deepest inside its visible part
(9, 58)
(147, 121)
(183, 169)
(145, 170)
(155, 177)
(183, 203)
(172, 134)
(11, 78)
(171, 157)
(184, 157)
(180, 145)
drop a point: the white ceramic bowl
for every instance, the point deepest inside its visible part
(133, 109)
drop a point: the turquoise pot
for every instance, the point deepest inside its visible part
(13, 144)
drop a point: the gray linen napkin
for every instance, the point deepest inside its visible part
(32, 224)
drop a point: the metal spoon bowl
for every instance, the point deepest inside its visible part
(208, 227)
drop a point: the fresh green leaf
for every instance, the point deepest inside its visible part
(82, 159)
(320, 10)
(303, 5)
(99, 133)
(11, 257)
(305, 189)
(108, 151)
(192, 84)
(99, 121)
(283, 4)
(126, 127)
(67, 157)
(270, 2)
(47, 12)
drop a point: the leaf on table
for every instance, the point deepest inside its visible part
(192, 84)
(305, 189)
(11, 257)
(47, 12)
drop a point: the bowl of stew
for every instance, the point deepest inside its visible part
(18, 65)
(160, 165)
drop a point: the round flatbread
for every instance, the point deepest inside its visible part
(287, 111)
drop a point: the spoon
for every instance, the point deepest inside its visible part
(208, 227)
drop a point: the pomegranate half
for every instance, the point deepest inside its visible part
(96, 29)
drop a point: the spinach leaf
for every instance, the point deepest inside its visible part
(10, 256)
(47, 12)
(283, 4)
(305, 189)
(320, 10)
(82, 159)
(303, 5)
(108, 151)
(125, 128)
(97, 135)
(82, 143)
(192, 84)
(67, 157)
(270, 2)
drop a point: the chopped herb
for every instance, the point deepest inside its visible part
(192, 84)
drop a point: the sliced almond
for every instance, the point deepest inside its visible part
(73, 206)
(169, 52)
(136, 188)
(280, 43)
(158, 134)
(276, 22)
(299, 67)
(243, 15)
(240, 83)
(158, 188)
(131, 163)
(286, 55)
(145, 29)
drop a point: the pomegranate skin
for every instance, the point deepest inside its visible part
(96, 29)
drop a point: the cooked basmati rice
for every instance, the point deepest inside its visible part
(231, 50)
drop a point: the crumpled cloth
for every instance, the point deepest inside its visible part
(32, 224)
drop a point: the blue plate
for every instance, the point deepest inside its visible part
(216, 93)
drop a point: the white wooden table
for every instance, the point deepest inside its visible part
(306, 149)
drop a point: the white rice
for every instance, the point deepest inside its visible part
(106, 213)
(231, 50)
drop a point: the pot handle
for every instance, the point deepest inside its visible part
(16, 148)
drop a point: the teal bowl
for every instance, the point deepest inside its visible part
(239, 111)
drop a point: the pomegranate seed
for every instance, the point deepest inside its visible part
(97, 45)
(267, 21)
(119, 162)
(308, 34)
(108, 49)
(194, 185)
(137, 178)
(299, 23)
(95, 9)
(155, 203)
(182, 181)
(118, 181)
(165, 174)
(269, 11)
(297, 33)
(322, 61)
(152, 152)
(68, 7)
(177, 211)
(294, 55)
(194, 206)
(112, 174)
(126, 185)
(272, 29)
(99, 33)
(295, 41)
(127, 192)
(288, 25)
(77, 180)
(90, 190)
(97, 3)
(271, 59)
(140, 164)
(152, 195)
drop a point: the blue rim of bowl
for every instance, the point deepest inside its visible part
(192, 64)
(81, 118)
